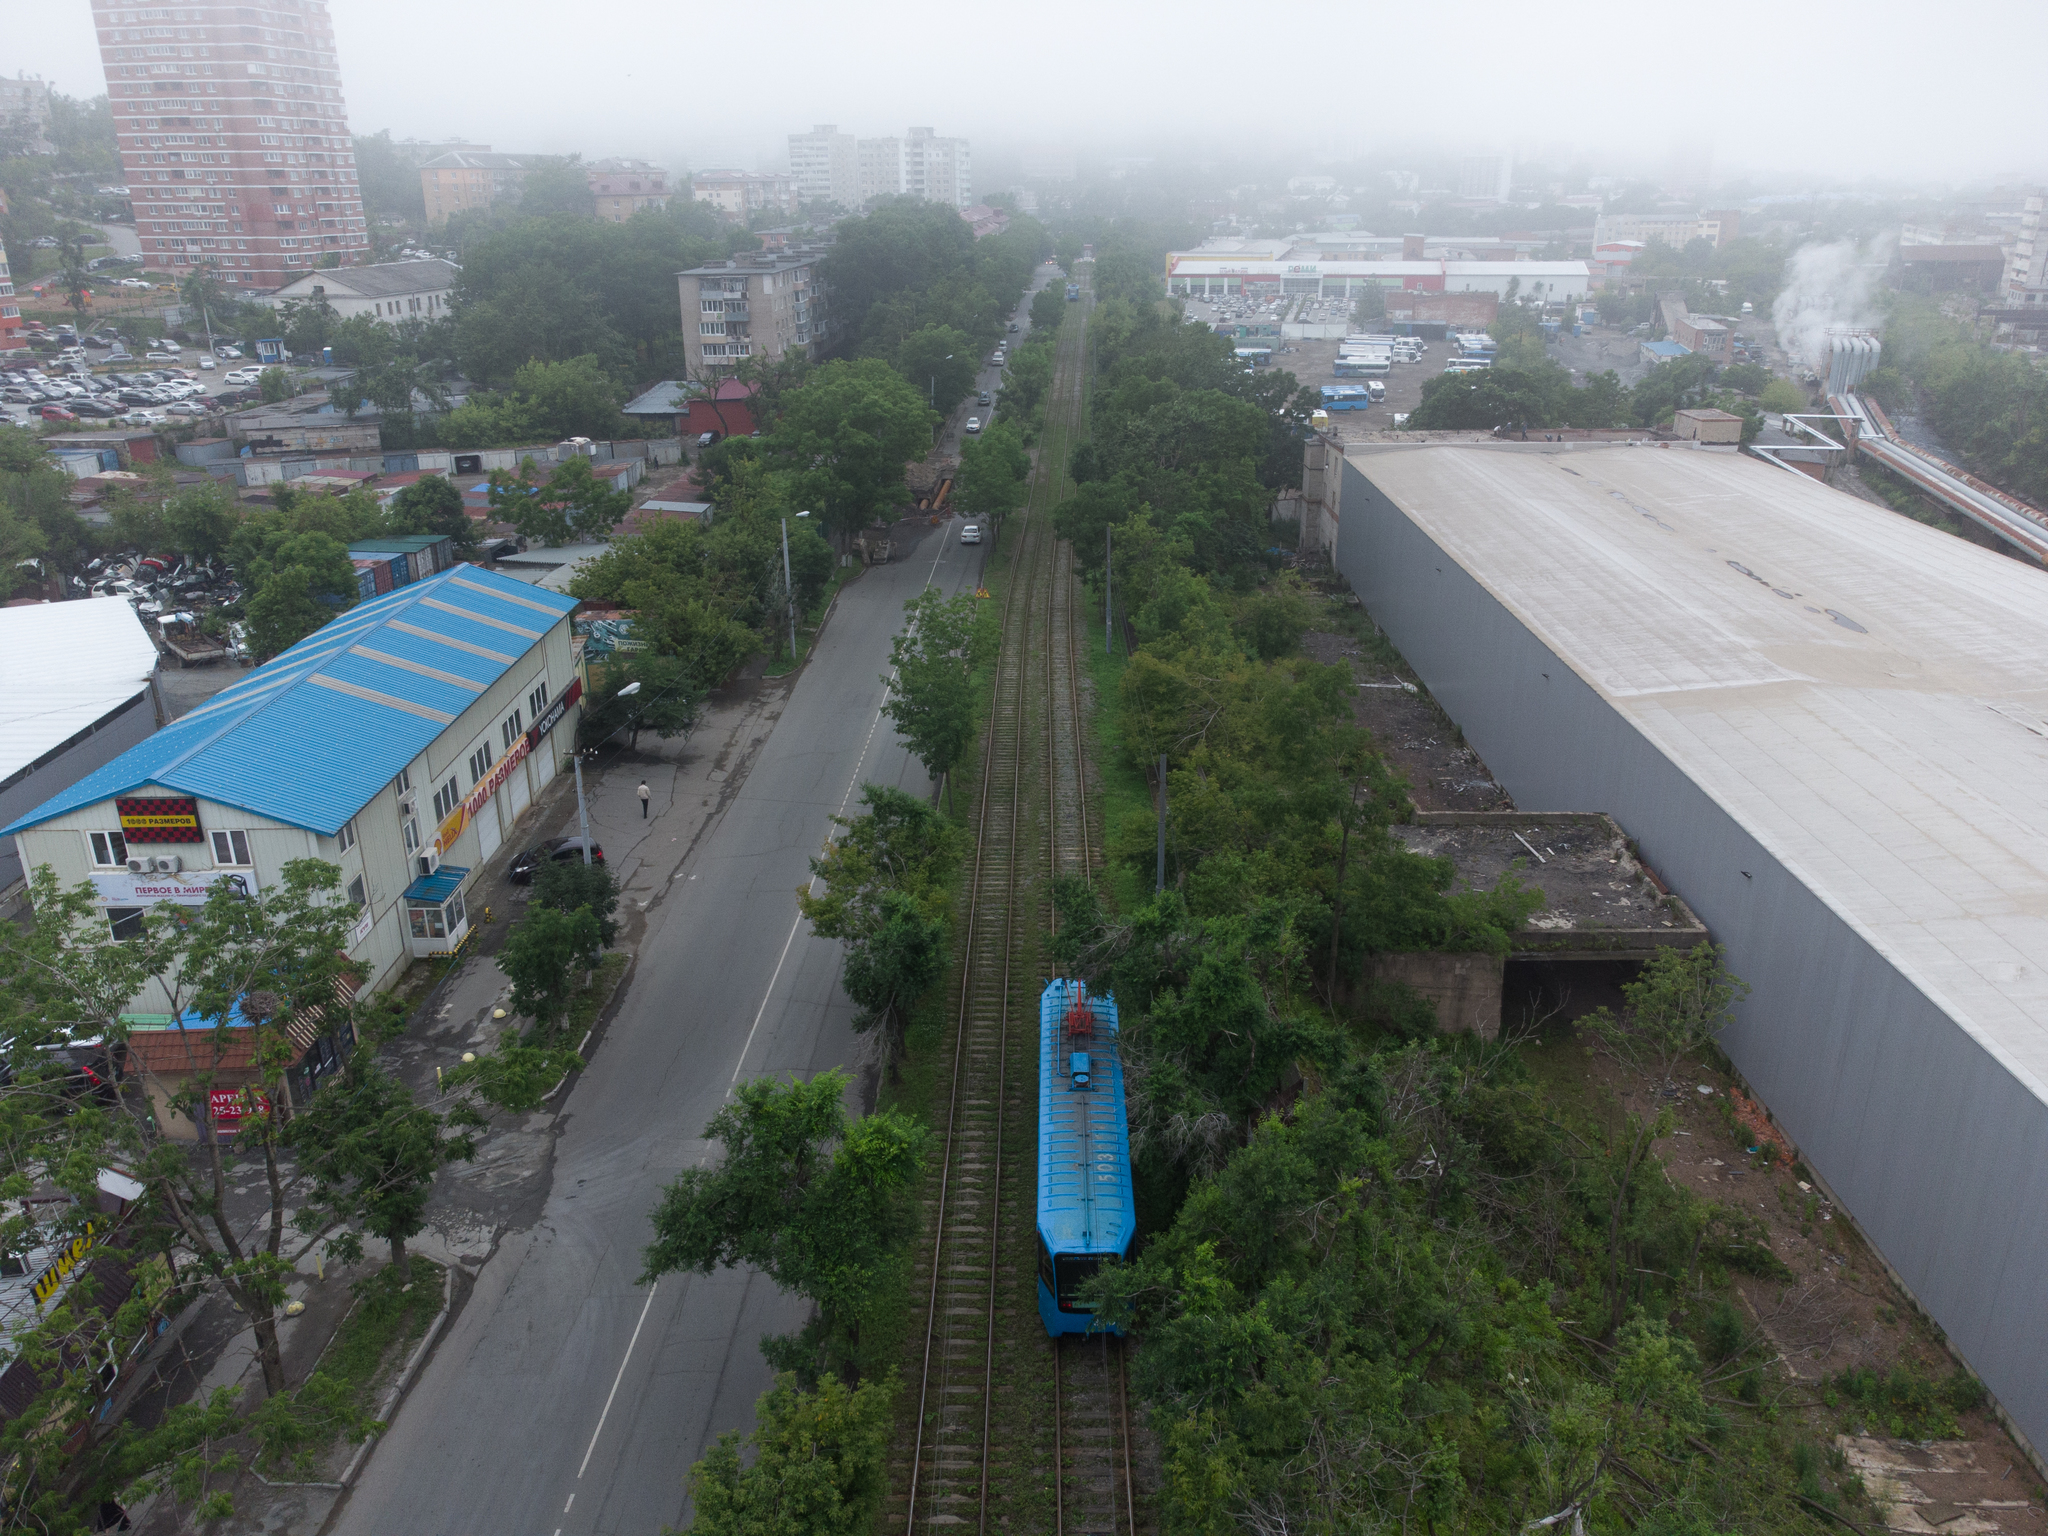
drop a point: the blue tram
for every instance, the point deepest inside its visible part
(1086, 1212)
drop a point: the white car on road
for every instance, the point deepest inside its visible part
(970, 533)
(974, 424)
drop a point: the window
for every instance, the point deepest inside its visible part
(356, 894)
(126, 922)
(537, 701)
(345, 839)
(403, 783)
(409, 829)
(446, 798)
(513, 728)
(109, 848)
(426, 923)
(231, 848)
(480, 763)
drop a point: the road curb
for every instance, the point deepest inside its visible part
(405, 1378)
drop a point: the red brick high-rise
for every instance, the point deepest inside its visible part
(234, 137)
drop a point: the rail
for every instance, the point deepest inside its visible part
(984, 1432)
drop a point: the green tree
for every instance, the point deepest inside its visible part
(285, 609)
(570, 885)
(572, 506)
(201, 519)
(571, 398)
(818, 1464)
(554, 184)
(369, 1153)
(887, 895)
(669, 702)
(815, 1201)
(844, 438)
(275, 385)
(931, 696)
(994, 468)
(542, 956)
(941, 363)
(432, 504)
(1782, 395)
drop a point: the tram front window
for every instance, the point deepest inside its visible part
(1070, 1270)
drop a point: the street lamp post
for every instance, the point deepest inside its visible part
(582, 811)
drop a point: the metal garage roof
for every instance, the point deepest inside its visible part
(68, 665)
(311, 737)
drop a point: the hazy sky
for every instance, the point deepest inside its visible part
(1794, 92)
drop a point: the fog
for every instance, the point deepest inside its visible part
(1793, 96)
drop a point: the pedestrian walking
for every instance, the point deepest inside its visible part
(646, 794)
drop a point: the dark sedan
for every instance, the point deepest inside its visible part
(563, 850)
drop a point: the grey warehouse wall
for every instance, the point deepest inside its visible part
(112, 735)
(1934, 1146)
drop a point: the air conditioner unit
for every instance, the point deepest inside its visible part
(409, 803)
(168, 863)
(139, 866)
(429, 861)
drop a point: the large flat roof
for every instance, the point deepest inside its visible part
(1866, 696)
(70, 665)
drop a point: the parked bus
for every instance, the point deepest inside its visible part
(1346, 397)
(1255, 357)
(1468, 365)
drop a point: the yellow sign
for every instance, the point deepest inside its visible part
(68, 1258)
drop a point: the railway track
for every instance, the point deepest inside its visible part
(1009, 1431)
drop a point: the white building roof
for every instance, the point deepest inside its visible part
(1866, 696)
(1221, 266)
(69, 664)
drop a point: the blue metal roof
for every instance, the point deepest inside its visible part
(311, 737)
(1085, 1203)
(439, 886)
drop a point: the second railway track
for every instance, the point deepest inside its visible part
(1011, 1433)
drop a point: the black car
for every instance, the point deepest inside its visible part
(563, 850)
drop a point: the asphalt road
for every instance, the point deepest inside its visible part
(566, 1397)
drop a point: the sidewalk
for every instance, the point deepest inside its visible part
(505, 1186)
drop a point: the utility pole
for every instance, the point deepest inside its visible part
(789, 589)
(1108, 591)
(583, 816)
(1159, 879)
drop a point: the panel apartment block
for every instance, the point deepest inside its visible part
(234, 138)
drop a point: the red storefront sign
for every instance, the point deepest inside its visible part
(228, 1105)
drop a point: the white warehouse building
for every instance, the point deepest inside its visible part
(1561, 282)
(1827, 727)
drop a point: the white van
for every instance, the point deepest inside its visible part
(71, 355)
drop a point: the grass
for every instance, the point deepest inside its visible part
(297, 1431)
(1121, 787)
(591, 1000)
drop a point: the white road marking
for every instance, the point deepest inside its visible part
(615, 1384)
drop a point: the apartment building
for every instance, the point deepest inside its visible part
(25, 115)
(621, 188)
(1676, 230)
(742, 194)
(826, 166)
(10, 312)
(2026, 259)
(766, 305)
(920, 164)
(234, 137)
(466, 179)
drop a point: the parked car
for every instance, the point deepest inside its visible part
(208, 364)
(134, 282)
(563, 850)
(970, 533)
(224, 351)
(58, 413)
(162, 357)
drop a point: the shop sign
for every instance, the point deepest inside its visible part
(120, 888)
(159, 819)
(449, 830)
(228, 1105)
(1308, 268)
(68, 1259)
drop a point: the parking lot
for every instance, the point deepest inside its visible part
(165, 384)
